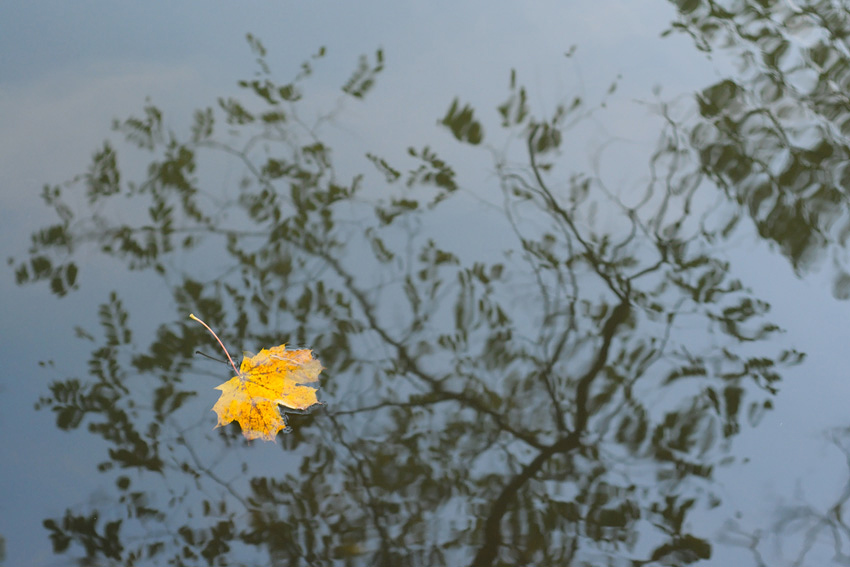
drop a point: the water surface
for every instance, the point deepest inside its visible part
(575, 274)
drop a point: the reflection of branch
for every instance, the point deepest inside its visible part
(830, 522)
(618, 316)
(734, 535)
(409, 363)
(209, 472)
(374, 503)
(551, 202)
(550, 307)
(493, 524)
(382, 405)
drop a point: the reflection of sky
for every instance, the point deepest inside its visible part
(66, 72)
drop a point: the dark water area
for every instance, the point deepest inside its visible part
(577, 276)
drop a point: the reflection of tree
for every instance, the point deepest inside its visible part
(774, 136)
(566, 402)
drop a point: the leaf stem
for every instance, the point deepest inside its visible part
(192, 316)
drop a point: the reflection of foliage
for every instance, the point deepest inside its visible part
(566, 402)
(775, 137)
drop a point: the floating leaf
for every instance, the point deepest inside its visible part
(272, 377)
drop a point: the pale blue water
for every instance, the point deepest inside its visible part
(506, 231)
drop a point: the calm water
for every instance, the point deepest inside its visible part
(576, 276)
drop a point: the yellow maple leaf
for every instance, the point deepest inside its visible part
(272, 377)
